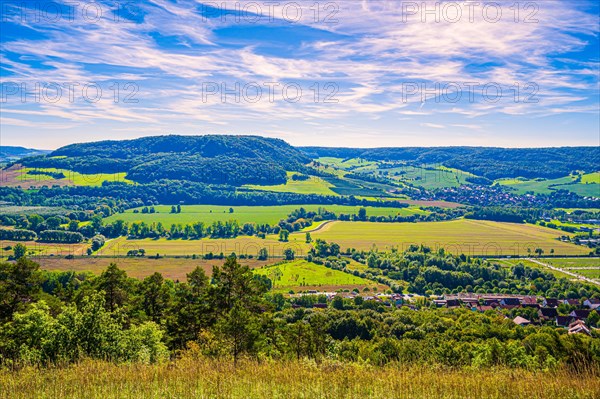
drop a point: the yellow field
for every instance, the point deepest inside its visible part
(171, 268)
(471, 237)
(189, 378)
(44, 249)
(241, 245)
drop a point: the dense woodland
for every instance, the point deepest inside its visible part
(492, 163)
(49, 317)
(169, 192)
(232, 160)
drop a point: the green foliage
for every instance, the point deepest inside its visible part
(19, 251)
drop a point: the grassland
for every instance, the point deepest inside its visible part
(471, 237)
(427, 176)
(189, 378)
(538, 186)
(18, 175)
(242, 245)
(302, 275)
(245, 214)
(13, 210)
(588, 267)
(345, 164)
(458, 236)
(512, 262)
(172, 268)
(589, 186)
(43, 249)
(313, 185)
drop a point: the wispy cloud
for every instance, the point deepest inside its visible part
(355, 66)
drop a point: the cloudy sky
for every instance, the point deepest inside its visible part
(346, 73)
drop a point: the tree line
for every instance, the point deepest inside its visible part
(60, 317)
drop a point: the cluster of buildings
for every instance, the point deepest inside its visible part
(547, 308)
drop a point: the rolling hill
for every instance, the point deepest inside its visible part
(11, 153)
(234, 160)
(489, 162)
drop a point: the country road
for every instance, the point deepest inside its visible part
(319, 227)
(558, 269)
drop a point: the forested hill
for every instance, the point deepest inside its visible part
(215, 159)
(8, 153)
(489, 162)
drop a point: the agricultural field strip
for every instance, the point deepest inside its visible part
(247, 214)
(578, 276)
(460, 236)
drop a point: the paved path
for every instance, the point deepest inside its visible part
(558, 269)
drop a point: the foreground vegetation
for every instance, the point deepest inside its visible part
(193, 378)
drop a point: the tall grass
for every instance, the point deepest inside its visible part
(193, 378)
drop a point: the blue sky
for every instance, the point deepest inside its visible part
(347, 73)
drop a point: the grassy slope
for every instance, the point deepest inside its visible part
(71, 178)
(171, 268)
(201, 378)
(588, 267)
(428, 176)
(314, 185)
(589, 186)
(302, 275)
(244, 214)
(512, 262)
(457, 236)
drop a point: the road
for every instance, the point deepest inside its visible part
(319, 227)
(558, 269)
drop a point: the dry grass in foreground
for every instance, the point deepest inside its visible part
(218, 379)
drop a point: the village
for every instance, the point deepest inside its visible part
(523, 310)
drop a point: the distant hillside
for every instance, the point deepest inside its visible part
(214, 159)
(489, 162)
(8, 153)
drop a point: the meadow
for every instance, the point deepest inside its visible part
(302, 275)
(589, 185)
(313, 185)
(174, 268)
(588, 267)
(472, 237)
(242, 245)
(245, 214)
(525, 262)
(18, 176)
(43, 249)
(195, 378)
(427, 176)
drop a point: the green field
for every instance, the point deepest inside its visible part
(344, 164)
(12, 210)
(512, 262)
(472, 237)
(588, 187)
(314, 185)
(588, 267)
(245, 214)
(427, 176)
(43, 249)
(302, 275)
(71, 178)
